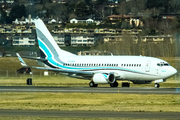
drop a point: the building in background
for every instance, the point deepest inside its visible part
(60, 39)
(82, 40)
(23, 41)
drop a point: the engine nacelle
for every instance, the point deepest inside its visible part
(141, 82)
(103, 78)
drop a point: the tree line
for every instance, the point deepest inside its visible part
(148, 9)
(129, 47)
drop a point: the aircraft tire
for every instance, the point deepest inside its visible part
(115, 84)
(156, 85)
(92, 84)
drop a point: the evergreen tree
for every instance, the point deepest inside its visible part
(82, 9)
(17, 11)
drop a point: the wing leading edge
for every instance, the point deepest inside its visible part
(52, 69)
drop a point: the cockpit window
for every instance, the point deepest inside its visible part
(166, 64)
(163, 64)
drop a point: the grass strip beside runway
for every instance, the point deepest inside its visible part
(64, 118)
(90, 102)
(62, 80)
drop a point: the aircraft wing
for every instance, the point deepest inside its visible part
(51, 69)
(65, 71)
(78, 72)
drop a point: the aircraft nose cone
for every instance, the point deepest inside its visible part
(170, 72)
(174, 71)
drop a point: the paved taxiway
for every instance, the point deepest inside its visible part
(90, 90)
(91, 114)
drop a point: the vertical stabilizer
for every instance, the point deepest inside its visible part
(48, 46)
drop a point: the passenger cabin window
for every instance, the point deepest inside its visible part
(97, 64)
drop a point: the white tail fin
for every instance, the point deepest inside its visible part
(47, 44)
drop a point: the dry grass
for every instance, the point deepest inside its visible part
(61, 80)
(62, 118)
(12, 63)
(90, 102)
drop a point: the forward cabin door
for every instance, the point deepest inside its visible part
(147, 67)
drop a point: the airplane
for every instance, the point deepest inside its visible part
(98, 69)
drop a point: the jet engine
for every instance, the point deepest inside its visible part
(103, 78)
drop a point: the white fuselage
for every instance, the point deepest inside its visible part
(123, 67)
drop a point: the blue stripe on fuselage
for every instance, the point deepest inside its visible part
(50, 60)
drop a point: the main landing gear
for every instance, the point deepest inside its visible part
(156, 85)
(92, 84)
(115, 84)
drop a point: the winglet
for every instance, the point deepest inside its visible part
(21, 60)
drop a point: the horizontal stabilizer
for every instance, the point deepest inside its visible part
(21, 60)
(35, 58)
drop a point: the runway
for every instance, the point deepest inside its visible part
(91, 114)
(90, 90)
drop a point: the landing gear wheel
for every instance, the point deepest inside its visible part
(156, 85)
(115, 84)
(92, 84)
